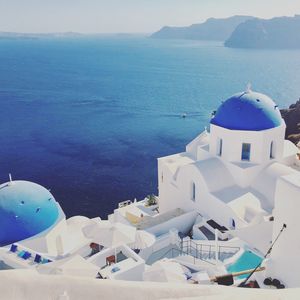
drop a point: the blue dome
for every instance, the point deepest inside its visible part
(248, 111)
(26, 209)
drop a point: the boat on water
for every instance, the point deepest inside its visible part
(226, 213)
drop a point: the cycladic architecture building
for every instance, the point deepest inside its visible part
(26, 209)
(30, 213)
(229, 203)
(241, 173)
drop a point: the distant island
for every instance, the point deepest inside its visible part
(241, 32)
(276, 33)
(20, 35)
(70, 34)
(212, 29)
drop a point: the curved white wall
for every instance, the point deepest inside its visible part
(284, 261)
(260, 141)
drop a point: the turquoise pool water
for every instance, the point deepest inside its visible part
(248, 260)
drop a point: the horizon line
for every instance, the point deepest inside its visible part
(138, 33)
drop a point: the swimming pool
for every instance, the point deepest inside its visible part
(248, 260)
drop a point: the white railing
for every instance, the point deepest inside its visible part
(125, 203)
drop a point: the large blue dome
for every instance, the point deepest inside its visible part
(248, 111)
(26, 209)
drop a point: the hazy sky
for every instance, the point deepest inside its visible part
(108, 16)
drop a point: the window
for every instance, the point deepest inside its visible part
(272, 150)
(246, 151)
(193, 191)
(219, 147)
(232, 223)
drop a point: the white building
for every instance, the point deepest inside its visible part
(37, 235)
(237, 173)
(238, 184)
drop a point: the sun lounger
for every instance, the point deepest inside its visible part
(37, 258)
(26, 255)
(13, 248)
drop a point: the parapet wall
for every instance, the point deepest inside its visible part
(29, 285)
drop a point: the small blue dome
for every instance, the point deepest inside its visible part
(26, 209)
(248, 111)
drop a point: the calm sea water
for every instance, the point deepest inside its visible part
(87, 118)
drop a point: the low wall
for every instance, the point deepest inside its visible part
(99, 259)
(135, 273)
(28, 285)
(182, 223)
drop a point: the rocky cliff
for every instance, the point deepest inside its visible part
(291, 117)
(211, 29)
(276, 33)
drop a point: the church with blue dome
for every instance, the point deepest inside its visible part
(231, 192)
(246, 135)
(26, 210)
(241, 175)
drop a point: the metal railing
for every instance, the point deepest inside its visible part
(206, 251)
(199, 251)
(180, 252)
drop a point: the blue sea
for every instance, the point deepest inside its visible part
(87, 117)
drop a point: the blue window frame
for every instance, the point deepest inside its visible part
(246, 148)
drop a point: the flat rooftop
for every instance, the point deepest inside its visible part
(148, 222)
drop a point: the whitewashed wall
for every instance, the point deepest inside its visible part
(260, 143)
(284, 263)
(182, 223)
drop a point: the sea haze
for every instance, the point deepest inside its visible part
(87, 117)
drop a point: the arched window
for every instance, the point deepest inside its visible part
(193, 191)
(219, 147)
(232, 223)
(272, 150)
(246, 151)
